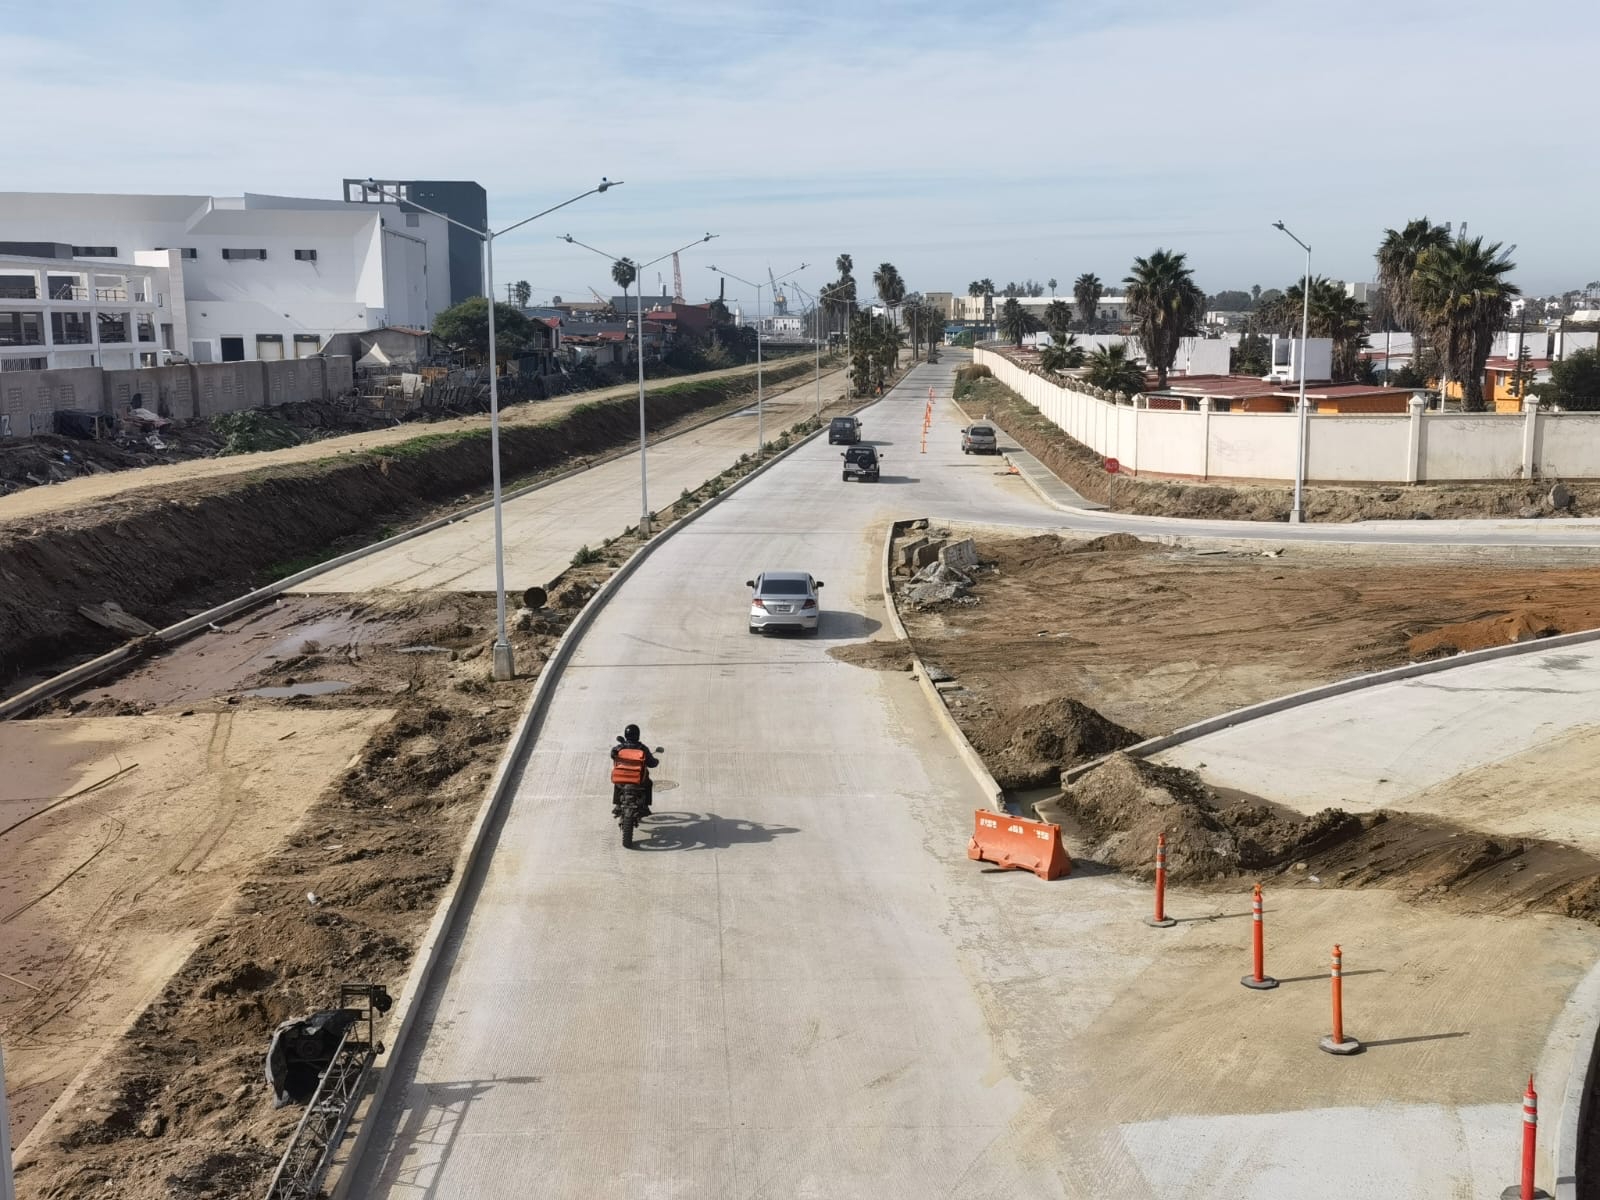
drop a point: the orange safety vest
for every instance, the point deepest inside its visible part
(628, 766)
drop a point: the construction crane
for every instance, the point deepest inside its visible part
(677, 280)
(780, 305)
(604, 302)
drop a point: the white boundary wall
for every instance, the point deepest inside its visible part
(1413, 448)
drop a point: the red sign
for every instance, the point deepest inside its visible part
(1112, 466)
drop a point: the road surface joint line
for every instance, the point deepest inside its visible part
(402, 1020)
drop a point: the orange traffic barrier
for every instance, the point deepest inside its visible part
(1337, 1043)
(1258, 978)
(1018, 844)
(1161, 920)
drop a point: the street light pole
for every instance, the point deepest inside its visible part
(760, 410)
(638, 327)
(504, 663)
(1297, 514)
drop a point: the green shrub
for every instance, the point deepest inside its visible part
(585, 556)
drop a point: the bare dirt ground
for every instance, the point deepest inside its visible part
(1070, 650)
(214, 841)
(1082, 469)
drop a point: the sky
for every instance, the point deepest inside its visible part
(1007, 139)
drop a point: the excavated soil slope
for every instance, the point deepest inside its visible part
(150, 552)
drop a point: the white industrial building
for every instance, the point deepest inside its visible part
(217, 279)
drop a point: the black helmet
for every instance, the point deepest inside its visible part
(630, 733)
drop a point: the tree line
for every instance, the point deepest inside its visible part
(1451, 292)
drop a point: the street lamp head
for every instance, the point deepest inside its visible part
(606, 183)
(1280, 225)
(566, 237)
(370, 184)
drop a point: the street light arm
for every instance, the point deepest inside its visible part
(605, 185)
(1282, 228)
(372, 185)
(679, 250)
(736, 278)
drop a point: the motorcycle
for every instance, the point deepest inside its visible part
(630, 779)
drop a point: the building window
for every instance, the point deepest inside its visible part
(148, 359)
(67, 287)
(24, 364)
(19, 287)
(146, 324)
(183, 251)
(413, 220)
(305, 256)
(21, 329)
(94, 252)
(113, 327)
(70, 329)
(235, 255)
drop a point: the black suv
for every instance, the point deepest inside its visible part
(861, 463)
(844, 431)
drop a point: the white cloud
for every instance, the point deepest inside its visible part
(1024, 138)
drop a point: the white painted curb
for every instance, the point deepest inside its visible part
(974, 764)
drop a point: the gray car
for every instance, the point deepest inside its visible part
(979, 439)
(784, 600)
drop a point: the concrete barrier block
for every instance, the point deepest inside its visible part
(926, 553)
(962, 555)
(908, 552)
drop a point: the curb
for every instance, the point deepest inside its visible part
(129, 652)
(1027, 477)
(400, 1026)
(969, 756)
(1356, 683)
(1571, 1045)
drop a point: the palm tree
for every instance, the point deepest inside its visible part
(1017, 322)
(523, 291)
(1397, 263)
(624, 272)
(1112, 369)
(891, 288)
(1062, 355)
(1166, 306)
(1460, 293)
(1333, 314)
(1052, 289)
(1057, 318)
(1086, 290)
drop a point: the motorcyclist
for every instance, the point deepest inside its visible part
(630, 740)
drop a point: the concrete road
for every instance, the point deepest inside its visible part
(1507, 746)
(545, 528)
(799, 986)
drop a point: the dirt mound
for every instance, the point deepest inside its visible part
(1112, 543)
(1498, 629)
(1124, 804)
(874, 656)
(1028, 748)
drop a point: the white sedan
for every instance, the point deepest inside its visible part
(784, 600)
